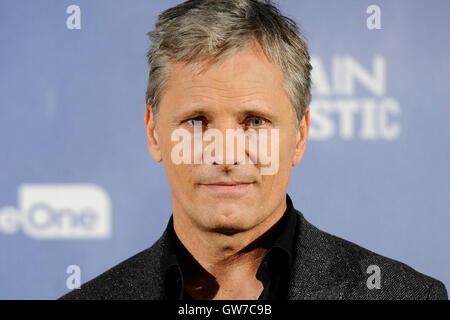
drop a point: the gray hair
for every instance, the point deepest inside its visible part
(212, 30)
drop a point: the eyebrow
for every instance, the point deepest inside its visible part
(193, 110)
(254, 107)
(260, 107)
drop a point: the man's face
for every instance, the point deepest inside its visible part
(246, 92)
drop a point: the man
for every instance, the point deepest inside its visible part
(228, 115)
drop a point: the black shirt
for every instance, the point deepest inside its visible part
(274, 271)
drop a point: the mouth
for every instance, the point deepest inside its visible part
(227, 186)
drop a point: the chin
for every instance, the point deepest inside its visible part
(230, 221)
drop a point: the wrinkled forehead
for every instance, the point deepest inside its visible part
(250, 57)
(244, 76)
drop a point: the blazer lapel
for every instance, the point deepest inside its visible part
(317, 272)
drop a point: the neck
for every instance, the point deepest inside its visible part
(221, 262)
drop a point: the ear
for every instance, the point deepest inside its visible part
(152, 135)
(301, 138)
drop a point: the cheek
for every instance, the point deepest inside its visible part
(181, 180)
(177, 174)
(286, 148)
(165, 143)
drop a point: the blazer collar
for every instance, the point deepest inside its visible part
(321, 269)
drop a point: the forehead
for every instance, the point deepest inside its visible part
(246, 75)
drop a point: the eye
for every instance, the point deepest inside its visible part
(196, 122)
(256, 121)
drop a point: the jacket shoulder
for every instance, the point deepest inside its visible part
(137, 277)
(345, 270)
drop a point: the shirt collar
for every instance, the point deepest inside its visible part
(276, 266)
(173, 277)
(285, 238)
(287, 223)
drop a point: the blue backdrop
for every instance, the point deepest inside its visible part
(78, 187)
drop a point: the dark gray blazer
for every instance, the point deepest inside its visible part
(325, 267)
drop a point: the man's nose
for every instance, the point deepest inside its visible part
(225, 166)
(231, 146)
